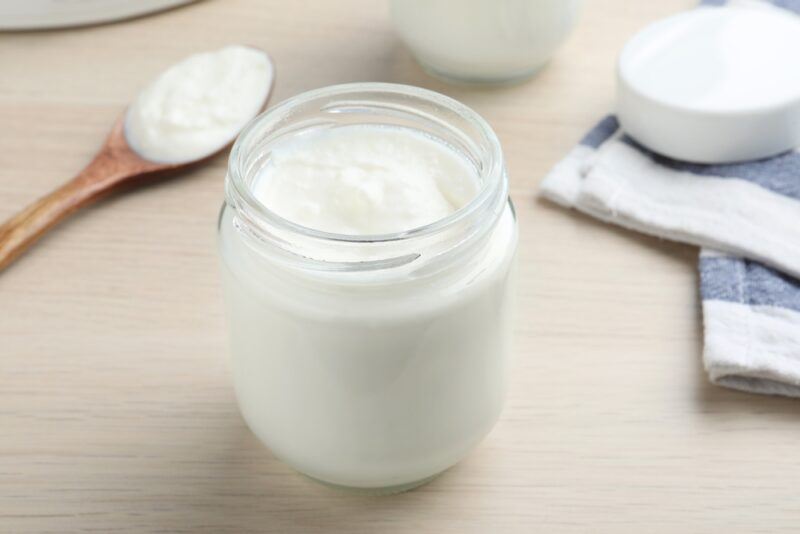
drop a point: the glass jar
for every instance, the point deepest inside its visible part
(484, 40)
(378, 361)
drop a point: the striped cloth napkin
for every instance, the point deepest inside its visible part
(746, 218)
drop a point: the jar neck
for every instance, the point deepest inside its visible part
(427, 248)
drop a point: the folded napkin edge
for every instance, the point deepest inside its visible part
(752, 348)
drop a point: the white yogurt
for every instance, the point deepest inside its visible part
(365, 180)
(199, 105)
(484, 40)
(364, 373)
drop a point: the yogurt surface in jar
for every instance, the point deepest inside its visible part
(368, 274)
(363, 179)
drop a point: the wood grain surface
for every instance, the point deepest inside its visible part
(116, 408)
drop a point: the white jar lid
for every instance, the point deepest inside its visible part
(714, 84)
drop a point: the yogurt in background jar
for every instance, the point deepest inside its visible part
(484, 40)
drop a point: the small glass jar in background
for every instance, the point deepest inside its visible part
(484, 41)
(371, 362)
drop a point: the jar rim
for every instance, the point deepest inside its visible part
(491, 173)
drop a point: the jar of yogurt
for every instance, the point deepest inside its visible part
(484, 40)
(367, 244)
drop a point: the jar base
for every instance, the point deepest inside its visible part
(388, 490)
(448, 77)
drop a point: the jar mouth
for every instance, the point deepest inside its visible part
(361, 103)
(488, 169)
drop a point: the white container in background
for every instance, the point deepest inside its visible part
(41, 14)
(484, 40)
(714, 84)
(369, 361)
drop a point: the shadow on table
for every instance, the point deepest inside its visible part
(238, 486)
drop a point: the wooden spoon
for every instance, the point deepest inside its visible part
(115, 166)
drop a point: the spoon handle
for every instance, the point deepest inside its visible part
(23, 229)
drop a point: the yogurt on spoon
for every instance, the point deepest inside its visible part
(189, 113)
(199, 105)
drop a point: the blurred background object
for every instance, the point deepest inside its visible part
(714, 85)
(41, 14)
(484, 40)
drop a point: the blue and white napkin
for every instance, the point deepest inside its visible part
(746, 216)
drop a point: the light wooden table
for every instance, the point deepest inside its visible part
(116, 408)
